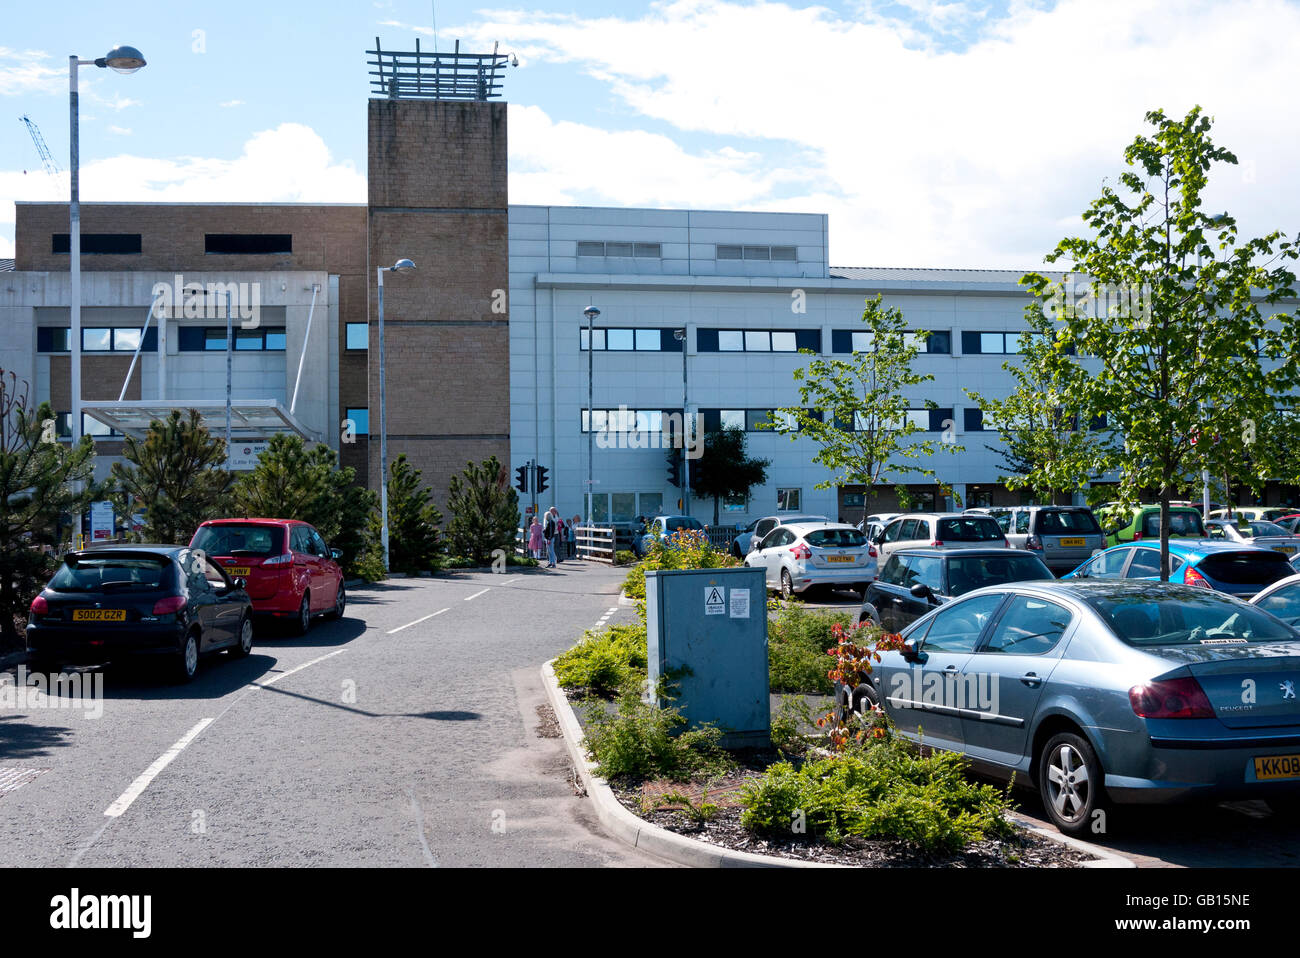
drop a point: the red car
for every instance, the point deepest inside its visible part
(291, 573)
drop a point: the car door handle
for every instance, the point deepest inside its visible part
(1031, 679)
(951, 670)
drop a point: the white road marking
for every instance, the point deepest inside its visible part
(419, 823)
(513, 578)
(605, 618)
(476, 594)
(299, 668)
(416, 622)
(140, 784)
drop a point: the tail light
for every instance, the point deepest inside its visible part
(40, 606)
(937, 542)
(1172, 698)
(283, 559)
(871, 551)
(1137, 535)
(1192, 577)
(801, 551)
(169, 605)
(1033, 542)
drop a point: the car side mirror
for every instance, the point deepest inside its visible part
(921, 591)
(336, 554)
(878, 538)
(241, 583)
(910, 651)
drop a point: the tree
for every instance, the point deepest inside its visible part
(413, 520)
(37, 476)
(856, 412)
(1174, 348)
(725, 470)
(1048, 446)
(175, 477)
(294, 481)
(484, 511)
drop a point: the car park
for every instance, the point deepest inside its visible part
(954, 530)
(1143, 522)
(1063, 536)
(758, 528)
(1265, 535)
(1102, 693)
(1237, 569)
(168, 603)
(803, 556)
(914, 581)
(292, 575)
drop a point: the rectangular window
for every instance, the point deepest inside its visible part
(785, 254)
(992, 343)
(275, 338)
(731, 340)
(246, 339)
(53, 339)
(248, 244)
(733, 419)
(648, 250)
(93, 427)
(638, 250)
(591, 249)
(126, 340)
(807, 339)
(647, 339)
(623, 506)
(755, 420)
(360, 417)
(98, 243)
(861, 342)
(758, 340)
(940, 341)
(758, 252)
(358, 336)
(97, 339)
(619, 339)
(973, 419)
(600, 508)
(788, 500)
(940, 419)
(734, 504)
(706, 340)
(214, 339)
(668, 341)
(919, 418)
(618, 249)
(652, 503)
(730, 252)
(783, 343)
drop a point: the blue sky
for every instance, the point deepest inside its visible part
(961, 133)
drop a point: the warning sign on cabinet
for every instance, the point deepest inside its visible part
(715, 600)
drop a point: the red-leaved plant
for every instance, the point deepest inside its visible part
(854, 651)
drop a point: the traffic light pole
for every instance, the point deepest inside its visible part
(686, 449)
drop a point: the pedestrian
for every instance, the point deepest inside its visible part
(561, 540)
(535, 539)
(573, 535)
(549, 531)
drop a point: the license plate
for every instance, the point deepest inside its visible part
(1286, 549)
(99, 615)
(237, 570)
(839, 558)
(1077, 543)
(1277, 766)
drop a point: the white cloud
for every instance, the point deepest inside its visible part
(115, 102)
(119, 130)
(30, 71)
(229, 103)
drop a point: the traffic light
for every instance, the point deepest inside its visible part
(521, 478)
(674, 458)
(697, 473)
(541, 478)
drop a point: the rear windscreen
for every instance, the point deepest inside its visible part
(1182, 523)
(967, 573)
(1067, 522)
(115, 574)
(240, 540)
(969, 529)
(836, 538)
(1246, 568)
(1162, 619)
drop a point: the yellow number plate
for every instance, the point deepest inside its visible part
(1072, 542)
(1287, 549)
(99, 615)
(235, 571)
(839, 558)
(1277, 766)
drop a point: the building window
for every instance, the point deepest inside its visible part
(998, 343)
(636, 250)
(627, 340)
(735, 504)
(98, 243)
(197, 339)
(358, 336)
(788, 500)
(757, 340)
(973, 419)
(853, 341)
(625, 420)
(248, 244)
(97, 339)
(360, 416)
(780, 254)
(89, 427)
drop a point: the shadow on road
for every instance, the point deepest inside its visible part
(19, 740)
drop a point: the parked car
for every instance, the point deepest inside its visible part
(1240, 570)
(1266, 535)
(756, 530)
(1102, 693)
(914, 581)
(1062, 535)
(1281, 599)
(106, 603)
(1290, 523)
(292, 574)
(940, 529)
(796, 557)
(661, 527)
(1143, 522)
(1267, 513)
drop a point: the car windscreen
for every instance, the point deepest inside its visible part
(835, 539)
(673, 523)
(1145, 619)
(1246, 567)
(1261, 528)
(969, 529)
(967, 573)
(238, 539)
(1065, 522)
(1182, 522)
(110, 573)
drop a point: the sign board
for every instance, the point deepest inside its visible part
(739, 603)
(243, 456)
(715, 602)
(101, 521)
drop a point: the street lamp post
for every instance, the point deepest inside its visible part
(1216, 223)
(120, 59)
(591, 312)
(680, 336)
(401, 266)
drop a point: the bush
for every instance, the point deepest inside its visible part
(797, 640)
(883, 790)
(689, 549)
(605, 661)
(484, 511)
(369, 565)
(624, 557)
(642, 741)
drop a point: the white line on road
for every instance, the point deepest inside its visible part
(605, 618)
(513, 578)
(476, 594)
(140, 784)
(299, 668)
(419, 823)
(416, 622)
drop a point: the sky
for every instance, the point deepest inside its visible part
(960, 134)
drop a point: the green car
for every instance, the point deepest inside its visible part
(1144, 523)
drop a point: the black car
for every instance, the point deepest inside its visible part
(914, 581)
(111, 602)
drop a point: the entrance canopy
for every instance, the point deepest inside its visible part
(249, 418)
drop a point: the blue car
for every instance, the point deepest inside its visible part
(1230, 567)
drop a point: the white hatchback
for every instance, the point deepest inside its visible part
(809, 555)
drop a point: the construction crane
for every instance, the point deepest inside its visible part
(51, 167)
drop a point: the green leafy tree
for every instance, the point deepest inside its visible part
(856, 410)
(414, 543)
(1048, 445)
(725, 470)
(37, 478)
(484, 511)
(295, 481)
(1170, 325)
(174, 477)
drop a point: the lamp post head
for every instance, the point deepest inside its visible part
(679, 334)
(122, 59)
(402, 266)
(591, 312)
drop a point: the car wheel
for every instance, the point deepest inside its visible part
(1070, 783)
(868, 613)
(245, 644)
(303, 622)
(787, 585)
(187, 661)
(340, 603)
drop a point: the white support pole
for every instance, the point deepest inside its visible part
(144, 331)
(302, 356)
